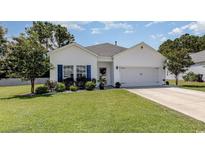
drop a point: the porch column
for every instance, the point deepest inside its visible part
(74, 72)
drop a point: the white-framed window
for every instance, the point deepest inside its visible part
(81, 71)
(68, 71)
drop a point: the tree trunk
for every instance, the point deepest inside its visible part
(176, 76)
(32, 85)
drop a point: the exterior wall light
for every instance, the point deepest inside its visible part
(116, 67)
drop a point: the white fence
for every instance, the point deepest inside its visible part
(17, 81)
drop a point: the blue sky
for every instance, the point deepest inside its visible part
(125, 33)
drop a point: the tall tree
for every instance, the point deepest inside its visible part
(50, 35)
(3, 40)
(28, 58)
(189, 42)
(3, 50)
(62, 36)
(178, 61)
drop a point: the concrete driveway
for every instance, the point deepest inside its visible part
(189, 102)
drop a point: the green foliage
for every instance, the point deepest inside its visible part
(178, 61)
(73, 88)
(191, 76)
(62, 36)
(28, 58)
(51, 85)
(167, 83)
(200, 86)
(60, 87)
(117, 85)
(89, 85)
(189, 42)
(50, 35)
(42, 90)
(3, 51)
(3, 40)
(102, 82)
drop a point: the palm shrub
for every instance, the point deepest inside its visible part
(89, 85)
(73, 88)
(60, 87)
(51, 85)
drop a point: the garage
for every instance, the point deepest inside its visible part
(140, 65)
(139, 76)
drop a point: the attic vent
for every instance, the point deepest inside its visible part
(142, 47)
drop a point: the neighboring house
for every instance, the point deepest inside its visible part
(198, 67)
(140, 65)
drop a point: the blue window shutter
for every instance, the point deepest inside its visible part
(60, 73)
(89, 72)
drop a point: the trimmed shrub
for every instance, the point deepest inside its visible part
(41, 90)
(51, 85)
(191, 76)
(73, 88)
(89, 85)
(80, 82)
(60, 87)
(167, 82)
(68, 82)
(117, 85)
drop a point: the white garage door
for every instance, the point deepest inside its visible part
(138, 76)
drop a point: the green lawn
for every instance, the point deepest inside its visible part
(190, 85)
(89, 111)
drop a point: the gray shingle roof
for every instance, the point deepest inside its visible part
(106, 49)
(198, 57)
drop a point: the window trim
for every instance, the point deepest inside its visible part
(64, 70)
(84, 70)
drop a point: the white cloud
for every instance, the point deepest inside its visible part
(109, 25)
(73, 25)
(176, 31)
(196, 27)
(117, 25)
(153, 22)
(95, 31)
(129, 31)
(158, 37)
(163, 39)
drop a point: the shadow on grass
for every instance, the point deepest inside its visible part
(193, 86)
(27, 96)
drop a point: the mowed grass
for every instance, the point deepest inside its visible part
(114, 110)
(200, 86)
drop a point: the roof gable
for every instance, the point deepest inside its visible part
(142, 44)
(198, 57)
(69, 46)
(106, 49)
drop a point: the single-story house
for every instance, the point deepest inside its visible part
(140, 65)
(198, 67)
